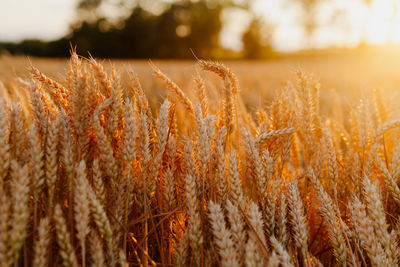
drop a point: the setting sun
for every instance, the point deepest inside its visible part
(383, 24)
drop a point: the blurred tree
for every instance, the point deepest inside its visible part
(189, 25)
(98, 37)
(182, 26)
(89, 5)
(309, 16)
(149, 29)
(138, 36)
(257, 39)
(58, 48)
(88, 9)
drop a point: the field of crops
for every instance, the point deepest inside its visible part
(196, 163)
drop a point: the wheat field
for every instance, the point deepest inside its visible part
(96, 170)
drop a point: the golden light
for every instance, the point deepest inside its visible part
(383, 22)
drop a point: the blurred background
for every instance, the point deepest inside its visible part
(225, 29)
(351, 46)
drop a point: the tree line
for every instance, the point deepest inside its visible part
(182, 27)
(174, 31)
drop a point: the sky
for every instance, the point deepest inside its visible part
(45, 19)
(346, 24)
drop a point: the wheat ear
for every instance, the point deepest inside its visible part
(20, 209)
(81, 207)
(41, 248)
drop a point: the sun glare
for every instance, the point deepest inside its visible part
(384, 22)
